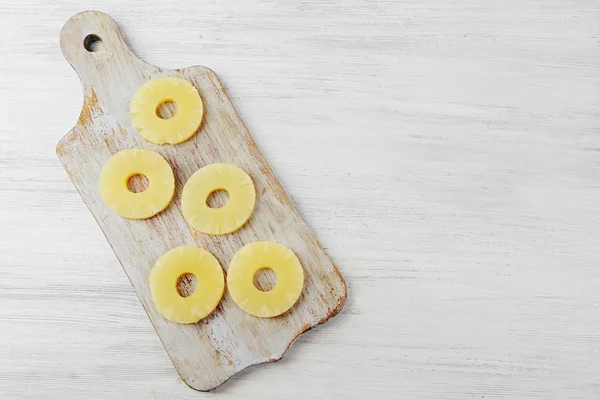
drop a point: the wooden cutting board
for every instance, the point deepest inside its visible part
(208, 353)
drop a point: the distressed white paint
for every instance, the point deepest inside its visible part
(445, 154)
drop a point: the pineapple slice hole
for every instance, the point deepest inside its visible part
(122, 187)
(166, 109)
(137, 183)
(265, 279)
(186, 284)
(258, 257)
(196, 201)
(157, 120)
(217, 198)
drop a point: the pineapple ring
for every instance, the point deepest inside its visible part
(250, 259)
(182, 125)
(114, 175)
(209, 289)
(226, 219)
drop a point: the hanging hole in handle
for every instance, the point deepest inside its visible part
(92, 43)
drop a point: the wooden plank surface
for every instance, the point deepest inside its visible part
(454, 148)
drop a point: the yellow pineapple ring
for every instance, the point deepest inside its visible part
(209, 288)
(248, 261)
(182, 125)
(127, 163)
(230, 217)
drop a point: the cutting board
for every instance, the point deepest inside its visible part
(208, 353)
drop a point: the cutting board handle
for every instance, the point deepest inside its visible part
(92, 43)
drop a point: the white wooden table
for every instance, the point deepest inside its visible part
(447, 155)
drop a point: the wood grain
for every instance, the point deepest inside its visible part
(444, 152)
(210, 352)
